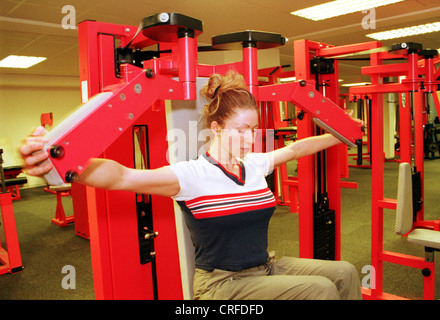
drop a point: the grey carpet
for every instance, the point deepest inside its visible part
(47, 248)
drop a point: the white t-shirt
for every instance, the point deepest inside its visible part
(227, 215)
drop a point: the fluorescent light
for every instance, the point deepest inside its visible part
(357, 84)
(339, 8)
(405, 32)
(22, 62)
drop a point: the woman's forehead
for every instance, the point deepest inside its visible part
(247, 117)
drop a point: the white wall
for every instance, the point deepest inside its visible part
(22, 100)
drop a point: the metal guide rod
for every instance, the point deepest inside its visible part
(2, 173)
(360, 103)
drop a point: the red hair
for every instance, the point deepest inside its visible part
(227, 93)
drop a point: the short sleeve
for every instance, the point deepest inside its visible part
(260, 161)
(185, 172)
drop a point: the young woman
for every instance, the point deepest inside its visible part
(226, 204)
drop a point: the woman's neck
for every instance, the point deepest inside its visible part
(221, 155)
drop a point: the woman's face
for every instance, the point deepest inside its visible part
(237, 134)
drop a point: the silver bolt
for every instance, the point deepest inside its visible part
(164, 17)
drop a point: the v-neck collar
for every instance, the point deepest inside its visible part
(237, 179)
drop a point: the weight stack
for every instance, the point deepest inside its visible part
(324, 234)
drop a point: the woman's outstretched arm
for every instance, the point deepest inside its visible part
(301, 148)
(102, 173)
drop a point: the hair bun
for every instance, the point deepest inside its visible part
(210, 90)
(225, 94)
(218, 83)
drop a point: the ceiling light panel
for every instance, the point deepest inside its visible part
(21, 62)
(405, 32)
(339, 8)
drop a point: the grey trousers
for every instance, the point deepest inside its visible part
(284, 279)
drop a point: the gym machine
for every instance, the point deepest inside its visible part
(134, 241)
(319, 176)
(419, 80)
(10, 259)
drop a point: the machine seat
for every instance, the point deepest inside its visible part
(425, 238)
(165, 27)
(404, 213)
(236, 40)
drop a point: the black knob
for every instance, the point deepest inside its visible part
(300, 115)
(72, 176)
(149, 73)
(56, 151)
(302, 83)
(359, 142)
(426, 272)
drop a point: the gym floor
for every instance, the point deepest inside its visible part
(46, 248)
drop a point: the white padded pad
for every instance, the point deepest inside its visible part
(404, 210)
(425, 238)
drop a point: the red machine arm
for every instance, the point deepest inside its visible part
(95, 125)
(325, 112)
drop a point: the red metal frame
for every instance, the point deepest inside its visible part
(413, 69)
(60, 216)
(118, 273)
(10, 259)
(305, 50)
(10, 173)
(414, 85)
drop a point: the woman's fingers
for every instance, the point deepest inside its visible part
(39, 131)
(40, 170)
(33, 154)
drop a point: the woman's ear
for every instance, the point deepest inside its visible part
(215, 128)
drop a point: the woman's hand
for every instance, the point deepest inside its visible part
(360, 121)
(33, 154)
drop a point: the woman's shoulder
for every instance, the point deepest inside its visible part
(259, 160)
(189, 166)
